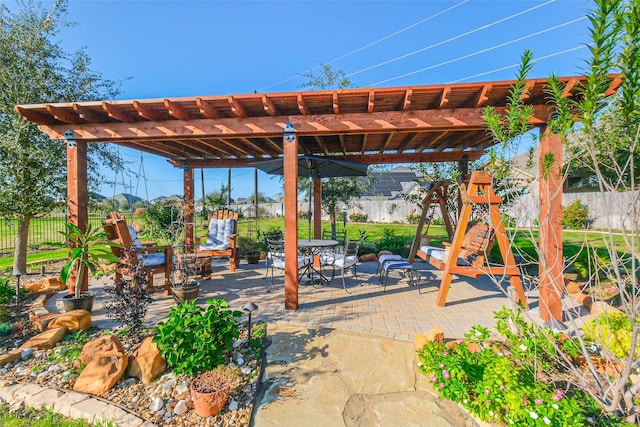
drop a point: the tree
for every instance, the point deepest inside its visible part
(336, 192)
(35, 69)
(216, 199)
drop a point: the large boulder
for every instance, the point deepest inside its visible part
(105, 362)
(101, 374)
(9, 357)
(107, 345)
(74, 320)
(47, 339)
(146, 362)
(53, 284)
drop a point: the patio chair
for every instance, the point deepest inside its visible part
(154, 259)
(275, 248)
(221, 237)
(341, 236)
(343, 258)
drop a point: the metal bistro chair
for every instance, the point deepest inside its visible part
(343, 258)
(341, 236)
(275, 251)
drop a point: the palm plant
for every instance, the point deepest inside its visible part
(87, 249)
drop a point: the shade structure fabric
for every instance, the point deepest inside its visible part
(315, 167)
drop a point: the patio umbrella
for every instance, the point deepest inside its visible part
(314, 167)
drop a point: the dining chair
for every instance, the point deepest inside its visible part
(343, 258)
(275, 254)
(341, 236)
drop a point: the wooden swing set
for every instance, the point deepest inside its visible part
(466, 254)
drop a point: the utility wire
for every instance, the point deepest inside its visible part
(484, 27)
(517, 64)
(368, 45)
(478, 52)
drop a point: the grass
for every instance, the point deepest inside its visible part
(573, 241)
(39, 418)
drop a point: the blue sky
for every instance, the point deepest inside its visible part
(189, 48)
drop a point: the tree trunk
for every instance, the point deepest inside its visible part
(22, 241)
(333, 217)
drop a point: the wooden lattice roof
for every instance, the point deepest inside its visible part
(382, 125)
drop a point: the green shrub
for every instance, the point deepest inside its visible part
(413, 217)
(612, 331)
(498, 383)
(358, 217)
(393, 243)
(7, 292)
(4, 314)
(6, 329)
(575, 216)
(160, 221)
(193, 339)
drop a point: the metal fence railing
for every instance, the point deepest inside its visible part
(41, 230)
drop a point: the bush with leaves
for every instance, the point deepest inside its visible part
(358, 217)
(575, 216)
(498, 383)
(130, 300)
(7, 292)
(194, 339)
(390, 241)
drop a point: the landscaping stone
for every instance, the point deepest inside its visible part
(40, 320)
(39, 301)
(47, 339)
(600, 307)
(101, 374)
(53, 283)
(9, 357)
(74, 320)
(146, 362)
(45, 399)
(105, 346)
(367, 257)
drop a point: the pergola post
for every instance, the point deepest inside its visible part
(77, 197)
(188, 207)
(317, 208)
(551, 261)
(290, 151)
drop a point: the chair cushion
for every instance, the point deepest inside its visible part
(155, 259)
(219, 232)
(135, 241)
(397, 265)
(383, 258)
(438, 253)
(302, 261)
(213, 247)
(342, 261)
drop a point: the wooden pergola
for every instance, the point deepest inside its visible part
(437, 123)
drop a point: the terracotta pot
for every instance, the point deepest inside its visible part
(209, 404)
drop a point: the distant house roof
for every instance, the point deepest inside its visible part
(392, 183)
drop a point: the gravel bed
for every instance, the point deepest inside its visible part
(166, 401)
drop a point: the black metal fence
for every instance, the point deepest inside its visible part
(41, 230)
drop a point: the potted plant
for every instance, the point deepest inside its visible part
(251, 249)
(88, 249)
(210, 390)
(183, 287)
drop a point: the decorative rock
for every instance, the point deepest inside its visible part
(39, 301)
(181, 407)
(46, 339)
(168, 385)
(53, 283)
(240, 361)
(41, 322)
(233, 405)
(433, 335)
(74, 320)
(33, 287)
(147, 362)
(10, 357)
(573, 288)
(181, 389)
(156, 404)
(101, 374)
(600, 307)
(107, 345)
(368, 257)
(26, 353)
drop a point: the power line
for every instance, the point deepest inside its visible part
(478, 52)
(369, 45)
(484, 27)
(516, 65)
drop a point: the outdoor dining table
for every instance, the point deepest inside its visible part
(314, 247)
